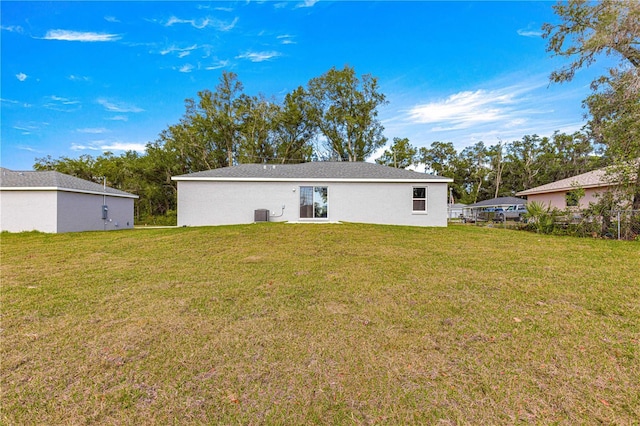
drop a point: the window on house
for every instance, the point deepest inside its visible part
(572, 198)
(313, 202)
(420, 199)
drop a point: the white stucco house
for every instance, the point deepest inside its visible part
(54, 202)
(312, 192)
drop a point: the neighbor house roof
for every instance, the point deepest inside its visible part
(11, 180)
(592, 179)
(500, 201)
(321, 170)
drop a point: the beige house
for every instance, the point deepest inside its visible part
(560, 194)
(54, 202)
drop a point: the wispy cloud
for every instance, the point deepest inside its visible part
(186, 68)
(203, 23)
(286, 39)
(30, 127)
(108, 146)
(125, 146)
(118, 118)
(68, 35)
(12, 102)
(217, 65)
(259, 56)
(21, 76)
(27, 148)
(118, 107)
(61, 104)
(528, 32)
(12, 28)
(306, 3)
(74, 77)
(499, 111)
(112, 19)
(180, 51)
(92, 130)
(469, 108)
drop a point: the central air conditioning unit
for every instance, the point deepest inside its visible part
(261, 215)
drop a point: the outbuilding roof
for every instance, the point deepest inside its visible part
(500, 201)
(320, 170)
(51, 180)
(592, 179)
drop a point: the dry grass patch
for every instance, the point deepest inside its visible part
(295, 324)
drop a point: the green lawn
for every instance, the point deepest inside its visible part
(319, 324)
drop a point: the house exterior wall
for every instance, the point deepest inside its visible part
(233, 202)
(61, 211)
(28, 211)
(83, 212)
(558, 199)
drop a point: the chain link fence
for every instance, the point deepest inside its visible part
(626, 224)
(616, 224)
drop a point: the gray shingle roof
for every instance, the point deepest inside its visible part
(590, 179)
(500, 201)
(314, 170)
(54, 180)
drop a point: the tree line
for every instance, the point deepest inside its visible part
(481, 172)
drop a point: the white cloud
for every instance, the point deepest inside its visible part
(92, 130)
(181, 51)
(27, 148)
(118, 118)
(109, 146)
(203, 23)
(21, 76)
(73, 77)
(118, 107)
(465, 109)
(286, 39)
(259, 56)
(67, 35)
(59, 103)
(217, 65)
(13, 102)
(529, 33)
(306, 3)
(124, 146)
(500, 110)
(63, 101)
(186, 68)
(12, 28)
(111, 19)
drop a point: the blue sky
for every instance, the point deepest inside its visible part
(87, 77)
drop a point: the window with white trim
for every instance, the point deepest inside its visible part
(419, 198)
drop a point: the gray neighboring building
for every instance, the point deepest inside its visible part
(54, 202)
(312, 192)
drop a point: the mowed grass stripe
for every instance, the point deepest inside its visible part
(324, 324)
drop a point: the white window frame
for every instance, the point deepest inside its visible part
(414, 199)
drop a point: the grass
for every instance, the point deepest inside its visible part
(333, 324)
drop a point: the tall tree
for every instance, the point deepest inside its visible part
(401, 154)
(294, 128)
(609, 27)
(255, 132)
(439, 159)
(346, 110)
